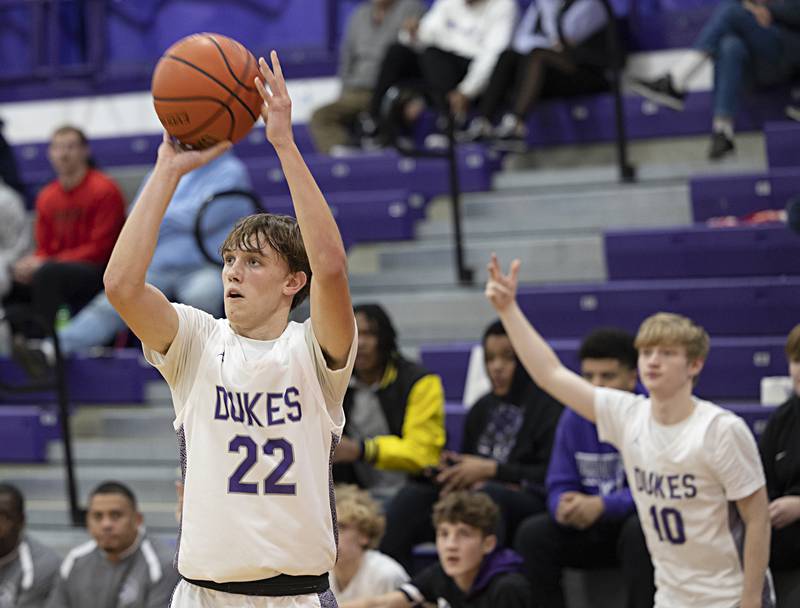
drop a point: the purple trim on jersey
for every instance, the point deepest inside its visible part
(183, 459)
(332, 494)
(737, 529)
(327, 600)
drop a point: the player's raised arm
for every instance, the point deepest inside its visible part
(534, 353)
(143, 307)
(331, 308)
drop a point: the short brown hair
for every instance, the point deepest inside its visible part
(355, 507)
(475, 509)
(64, 129)
(669, 329)
(793, 344)
(281, 233)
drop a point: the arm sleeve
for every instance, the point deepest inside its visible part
(496, 39)
(562, 474)
(423, 433)
(332, 381)
(733, 455)
(618, 504)
(583, 19)
(108, 215)
(611, 408)
(58, 597)
(180, 364)
(786, 13)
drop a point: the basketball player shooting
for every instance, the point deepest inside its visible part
(693, 467)
(257, 398)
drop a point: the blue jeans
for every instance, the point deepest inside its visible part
(98, 322)
(744, 54)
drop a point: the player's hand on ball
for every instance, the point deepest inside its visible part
(172, 156)
(501, 289)
(277, 108)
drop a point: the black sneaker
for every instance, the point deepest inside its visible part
(721, 146)
(660, 91)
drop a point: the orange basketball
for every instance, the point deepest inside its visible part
(203, 90)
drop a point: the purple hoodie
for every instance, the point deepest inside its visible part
(581, 463)
(497, 562)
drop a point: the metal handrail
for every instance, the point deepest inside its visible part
(58, 384)
(213, 256)
(627, 172)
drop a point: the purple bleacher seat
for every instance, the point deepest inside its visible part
(455, 415)
(725, 307)
(367, 216)
(783, 144)
(117, 378)
(24, 433)
(740, 195)
(702, 252)
(733, 370)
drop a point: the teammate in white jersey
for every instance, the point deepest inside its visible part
(257, 398)
(693, 467)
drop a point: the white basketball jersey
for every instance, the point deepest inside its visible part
(684, 493)
(256, 441)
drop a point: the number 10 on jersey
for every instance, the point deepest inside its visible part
(668, 523)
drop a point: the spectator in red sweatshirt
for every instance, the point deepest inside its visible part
(78, 218)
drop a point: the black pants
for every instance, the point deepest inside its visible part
(408, 516)
(549, 547)
(785, 548)
(433, 73)
(518, 81)
(53, 285)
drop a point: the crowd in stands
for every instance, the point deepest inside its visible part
(533, 488)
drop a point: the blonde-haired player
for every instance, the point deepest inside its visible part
(693, 467)
(361, 571)
(258, 400)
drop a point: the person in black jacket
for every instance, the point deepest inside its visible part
(505, 451)
(780, 453)
(750, 42)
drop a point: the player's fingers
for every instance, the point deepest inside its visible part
(493, 267)
(265, 93)
(513, 270)
(278, 71)
(269, 77)
(216, 150)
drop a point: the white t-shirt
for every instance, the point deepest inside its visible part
(257, 422)
(685, 493)
(377, 575)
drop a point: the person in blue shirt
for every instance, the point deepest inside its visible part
(591, 520)
(179, 269)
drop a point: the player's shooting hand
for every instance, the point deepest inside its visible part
(181, 161)
(277, 108)
(501, 289)
(468, 471)
(784, 511)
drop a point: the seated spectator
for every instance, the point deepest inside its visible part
(121, 565)
(780, 453)
(179, 269)
(394, 410)
(78, 218)
(592, 520)
(750, 43)
(372, 27)
(27, 568)
(472, 572)
(14, 234)
(536, 66)
(448, 58)
(8, 165)
(360, 570)
(508, 436)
